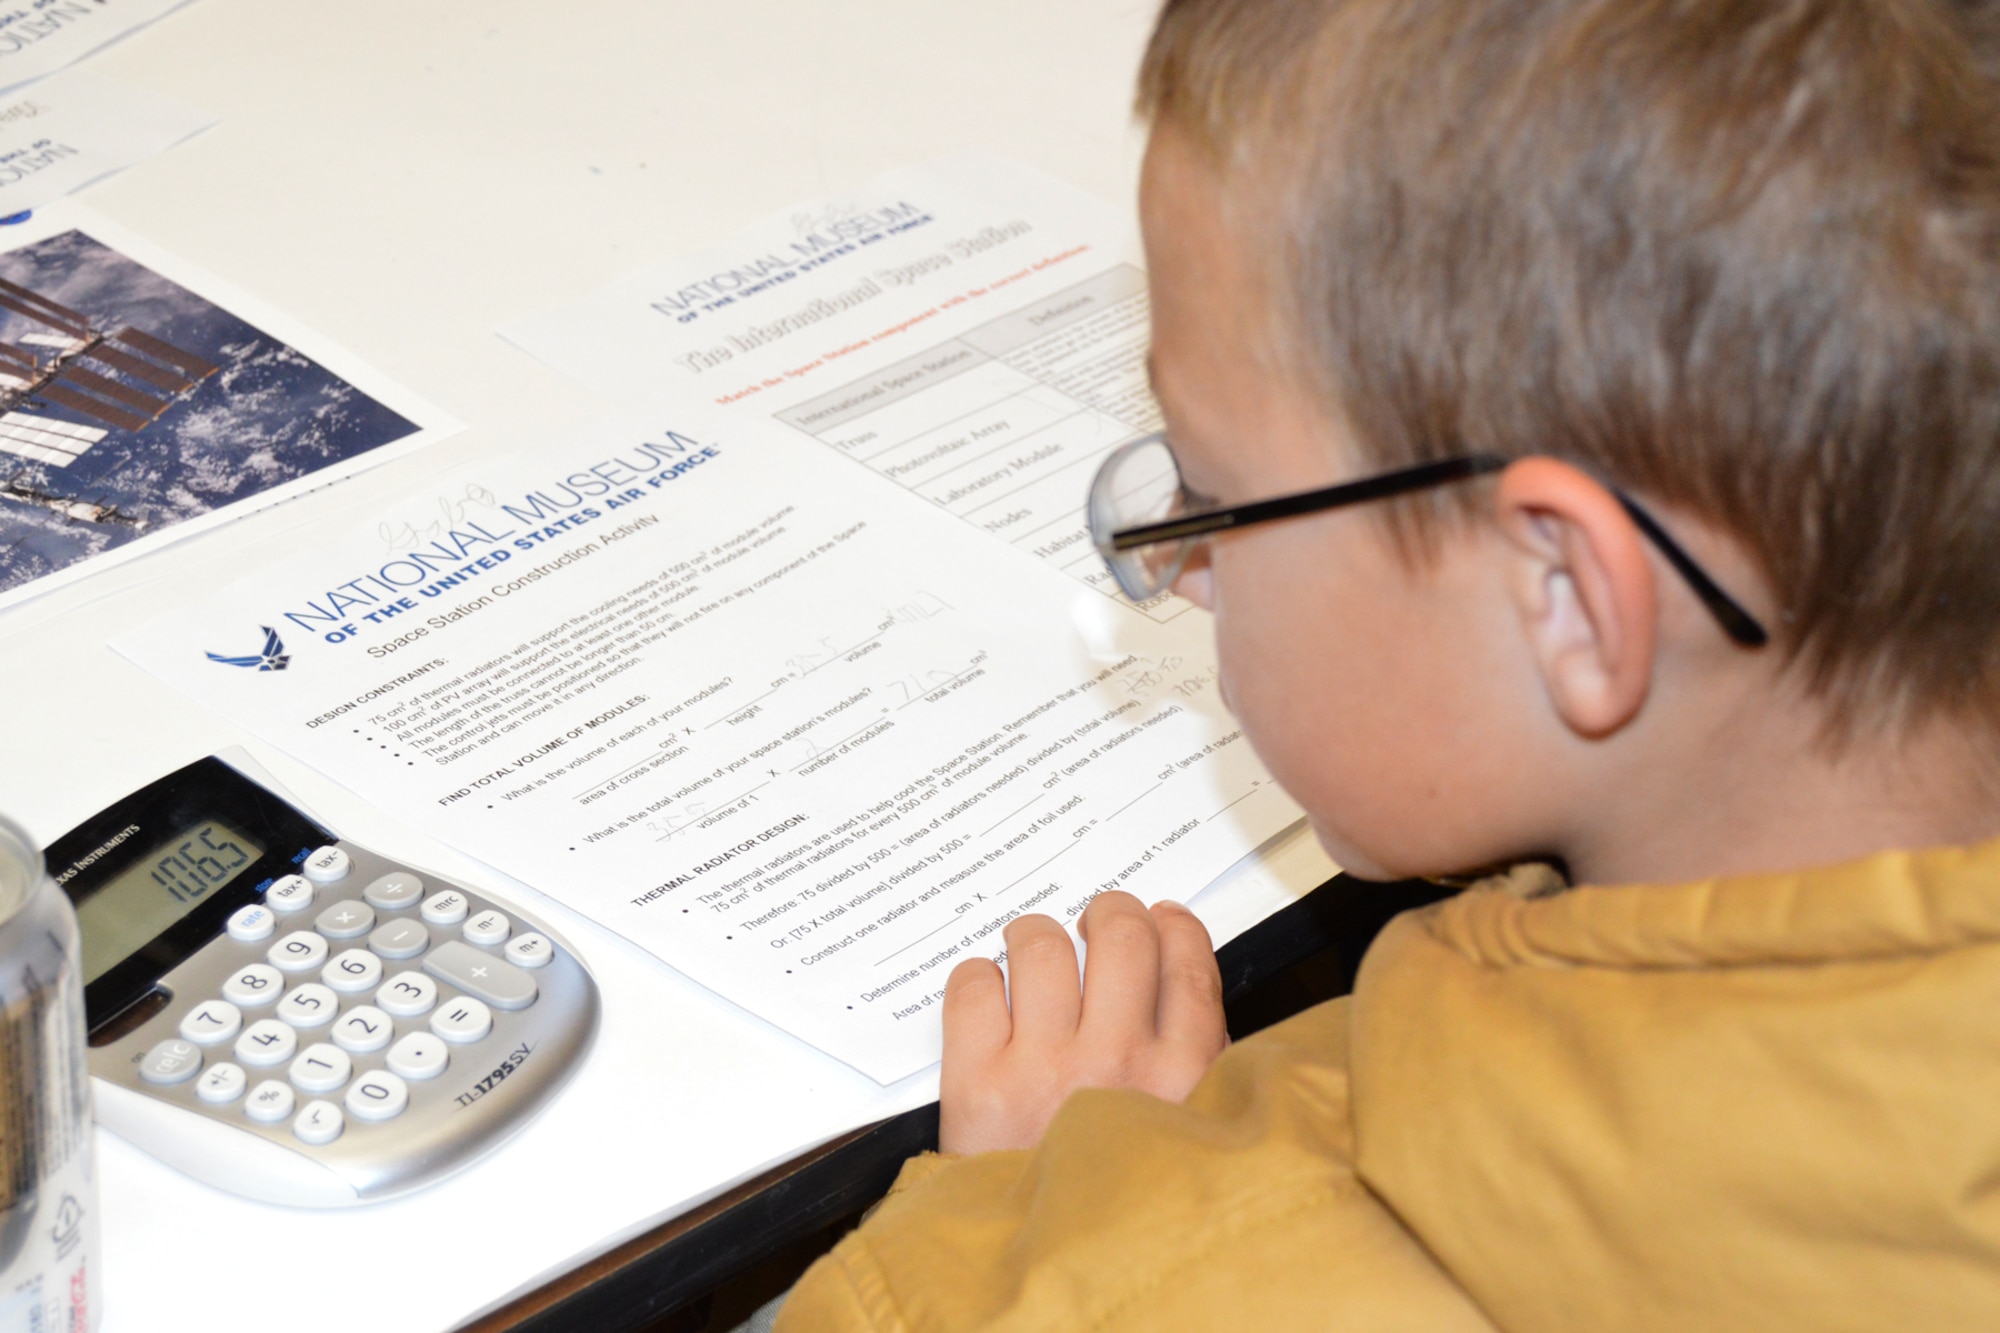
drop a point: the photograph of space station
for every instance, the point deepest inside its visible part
(129, 403)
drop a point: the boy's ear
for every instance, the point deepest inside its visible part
(1583, 583)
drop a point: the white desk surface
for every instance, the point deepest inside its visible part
(405, 178)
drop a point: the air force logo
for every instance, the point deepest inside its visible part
(273, 658)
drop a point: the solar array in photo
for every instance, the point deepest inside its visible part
(124, 379)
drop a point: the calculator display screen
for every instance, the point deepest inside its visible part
(134, 907)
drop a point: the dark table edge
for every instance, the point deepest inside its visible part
(686, 1257)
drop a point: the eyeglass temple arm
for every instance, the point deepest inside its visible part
(1737, 623)
(1409, 479)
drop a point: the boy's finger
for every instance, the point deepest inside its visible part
(975, 1011)
(1041, 979)
(1190, 1013)
(1121, 971)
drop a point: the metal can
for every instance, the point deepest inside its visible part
(48, 1182)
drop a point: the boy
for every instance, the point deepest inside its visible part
(1695, 307)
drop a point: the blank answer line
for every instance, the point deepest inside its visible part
(1140, 797)
(1255, 787)
(1009, 889)
(1004, 818)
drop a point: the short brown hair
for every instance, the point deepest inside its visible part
(1742, 256)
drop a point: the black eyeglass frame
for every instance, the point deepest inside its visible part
(1741, 627)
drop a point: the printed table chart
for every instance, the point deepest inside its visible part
(1005, 424)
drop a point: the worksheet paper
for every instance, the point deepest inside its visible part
(74, 128)
(38, 37)
(971, 330)
(809, 738)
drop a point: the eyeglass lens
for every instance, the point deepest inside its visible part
(1139, 483)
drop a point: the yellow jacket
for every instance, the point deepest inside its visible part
(1755, 1103)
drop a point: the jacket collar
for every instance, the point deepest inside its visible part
(1888, 904)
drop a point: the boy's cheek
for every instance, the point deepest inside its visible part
(1361, 832)
(1333, 692)
(1275, 684)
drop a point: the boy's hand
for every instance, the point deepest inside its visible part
(1148, 1015)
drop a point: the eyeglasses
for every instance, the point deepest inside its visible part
(1137, 521)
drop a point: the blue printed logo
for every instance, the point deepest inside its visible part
(273, 658)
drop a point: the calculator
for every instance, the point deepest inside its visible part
(294, 1018)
